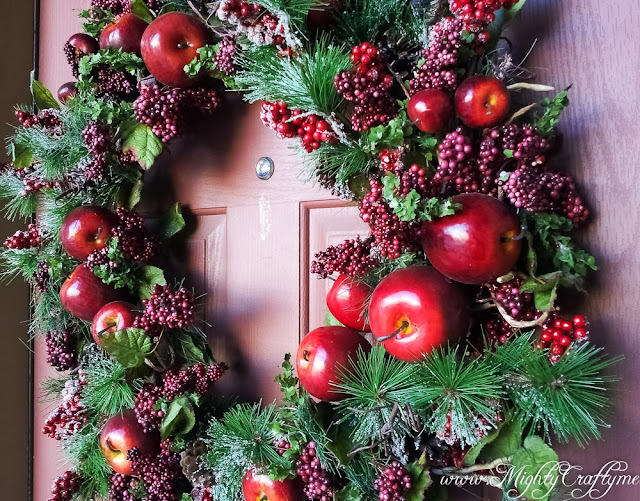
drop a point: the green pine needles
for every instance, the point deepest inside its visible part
(108, 391)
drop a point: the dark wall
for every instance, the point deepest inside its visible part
(16, 61)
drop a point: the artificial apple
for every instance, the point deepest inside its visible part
(347, 301)
(415, 310)
(322, 355)
(122, 433)
(430, 110)
(171, 42)
(67, 91)
(113, 317)
(257, 487)
(83, 294)
(482, 101)
(83, 44)
(86, 229)
(475, 245)
(124, 33)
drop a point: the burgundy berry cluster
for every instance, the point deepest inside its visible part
(477, 14)
(368, 87)
(71, 415)
(161, 474)
(561, 334)
(78, 46)
(41, 278)
(166, 308)
(116, 7)
(281, 446)
(317, 482)
(520, 306)
(351, 257)
(483, 424)
(312, 129)
(134, 240)
(24, 239)
(120, 487)
(61, 350)
(65, 486)
(46, 118)
(225, 58)
(393, 483)
(260, 26)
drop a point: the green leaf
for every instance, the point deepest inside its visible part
(21, 154)
(329, 319)
(140, 9)
(545, 299)
(506, 443)
(551, 111)
(144, 144)
(420, 480)
(179, 418)
(509, 14)
(472, 455)
(188, 348)
(172, 222)
(535, 469)
(42, 97)
(128, 346)
(349, 493)
(148, 278)
(437, 207)
(135, 194)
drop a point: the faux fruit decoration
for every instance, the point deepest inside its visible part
(83, 293)
(347, 301)
(257, 487)
(122, 433)
(86, 229)
(171, 42)
(477, 244)
(322, 356)
(482, 101)
(431, 110)
(113, 317)
(415, 310)
(82, 44)
(67, 91)
(124, 33)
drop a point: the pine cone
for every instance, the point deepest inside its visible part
(400, 52)
(192, 466)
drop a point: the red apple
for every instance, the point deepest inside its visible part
(323, 13)
(475, 245)
(83, 44)
(482, 101)
(113, 317)
(420, 310)
(322, 355)
(124, 33)
(122, 433)
(83, 294)
(170, 43)
(347, 301)
(86, 229)
(67, 91)
(430, 110)
(256, 487)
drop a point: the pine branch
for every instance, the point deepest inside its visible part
(338, 162)
(108, 391)
(296, 10)
(19, 261)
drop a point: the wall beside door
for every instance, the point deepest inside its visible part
(16, 61)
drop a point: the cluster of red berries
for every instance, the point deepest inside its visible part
(478, 14)
(482, 425)
(116, 7)
(24, 239)
(32, 181)
(46, 118)
(225, 58)
(491, 331)
(318, 485)
(65, 486)
(114, 85)
(392, 236)
(281, 446)
(75, 50)
(458, 170)
(259, 26)
(61, 350)
(41, 277)
(160, 475)
(166, 308)
(167, 111)
(121, 487)
(368, 86)
(518, 305)
(392, 160)
(352, 257)
(135, 242)
(527, 145)
(146, 399)
(312, 129)
(98, 138)
(561, 334)
(71, 415)
(393, 483)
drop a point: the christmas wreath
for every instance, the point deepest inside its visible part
(419, 113)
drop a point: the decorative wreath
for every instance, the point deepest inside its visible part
(415, 110)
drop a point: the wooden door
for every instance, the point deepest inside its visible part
(252, 240)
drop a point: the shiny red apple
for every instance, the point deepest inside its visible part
(83, 294)
(122, 433)
(124, 33)
(113, 317)
(86, 229)
(170, 43)
(431, 110)
(257, 487)
(482, 101)
(322, 355)
(347, 301)
(83, 44)
(67, 91)
(417, 309)
(476, 244)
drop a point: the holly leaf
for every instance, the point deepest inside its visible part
(148, 277)
(179, 418)
(21, 155)
(506, 443)
(128, 346)
(171, 223)
(420, 479)
(144, 144)
(42, 97)
(535, 469)
(140, 9)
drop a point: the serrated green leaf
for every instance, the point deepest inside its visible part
(140, 9)
(179, 418)
(42, 97)
(507, 442)
(420, 480)
(188, 348)
(148, 278)
(172, 222)
(535, 469)
(21, 155)
(545, 299)
(144, 144)
(128, 346)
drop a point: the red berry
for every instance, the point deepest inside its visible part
(579, 321)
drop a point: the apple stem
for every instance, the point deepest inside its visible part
(402, 327)
(305, 355)
(108, 327)
(523, 233)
